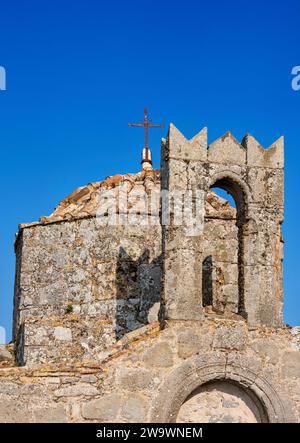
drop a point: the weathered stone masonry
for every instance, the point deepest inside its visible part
(149, 374)
(88, 299)
(254, 177)
(82, 286)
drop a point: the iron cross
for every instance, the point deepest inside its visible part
(146, 125)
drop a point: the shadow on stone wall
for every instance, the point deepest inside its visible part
(138, 285)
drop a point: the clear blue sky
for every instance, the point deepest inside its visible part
(79, 71)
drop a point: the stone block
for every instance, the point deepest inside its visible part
(54, 414)
(134, 409)
(230, 337)
(80, 389)
(189, 343)
(62, 334)
(103, 409)
(134, 379)
(14, 411)
(266, 348)
(291, 364)
(159, 355)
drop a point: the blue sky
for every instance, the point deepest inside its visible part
(79, 71)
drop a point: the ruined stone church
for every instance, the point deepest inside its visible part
(119, 317)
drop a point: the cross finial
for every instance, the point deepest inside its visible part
(146, 155)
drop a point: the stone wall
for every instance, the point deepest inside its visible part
(84, 279)
(151, 375)
(88, 296)
(81, 285)
(255, 178)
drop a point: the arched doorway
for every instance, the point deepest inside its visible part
(221, 402)
(202, 371)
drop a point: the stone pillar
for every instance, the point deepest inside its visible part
(182, 249)
(263, 245)
(263, 254)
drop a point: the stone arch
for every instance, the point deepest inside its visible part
(236, 186)
(199, 370)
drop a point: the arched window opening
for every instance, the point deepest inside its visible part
(225, 197)
(230, 190)
(222, 266)
(207, 281)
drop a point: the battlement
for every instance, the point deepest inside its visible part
(225, 150)
(257, 155)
